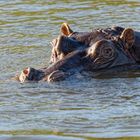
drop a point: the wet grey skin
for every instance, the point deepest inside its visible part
(70, 41)
(77, 52)
(64, 45)
(102, 55)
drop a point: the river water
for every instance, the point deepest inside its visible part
(85, 109)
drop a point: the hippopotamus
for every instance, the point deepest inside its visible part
(100, 50)
(70, 41)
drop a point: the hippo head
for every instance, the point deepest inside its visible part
(103, 54)
(70, 41)
(106, 54)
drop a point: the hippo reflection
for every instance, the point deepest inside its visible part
(99, 50)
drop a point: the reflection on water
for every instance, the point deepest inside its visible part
(74, 109)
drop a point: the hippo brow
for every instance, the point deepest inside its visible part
(118, 42)
(108, 33)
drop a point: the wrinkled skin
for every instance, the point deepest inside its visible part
(76, 52)
(70, 41)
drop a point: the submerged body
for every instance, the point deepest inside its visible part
(99, 50)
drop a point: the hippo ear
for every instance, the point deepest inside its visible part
(128, 37)
(65, 29)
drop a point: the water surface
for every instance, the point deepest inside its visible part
(84, 109)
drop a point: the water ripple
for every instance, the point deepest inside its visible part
(73, 109)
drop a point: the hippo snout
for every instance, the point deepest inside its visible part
(31, 74)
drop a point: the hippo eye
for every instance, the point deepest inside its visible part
(106, 51)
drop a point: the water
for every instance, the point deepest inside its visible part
(85, 109)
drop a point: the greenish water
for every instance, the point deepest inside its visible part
(87, 109)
